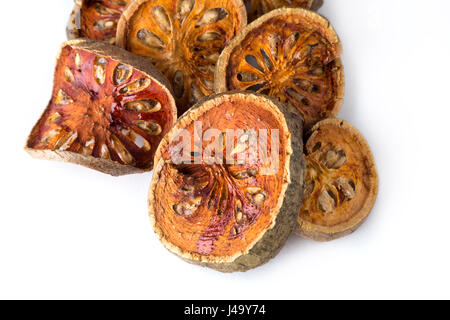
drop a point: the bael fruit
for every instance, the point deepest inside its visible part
(341, 181)
(183, 38)
(257, 8)
(290, 54)
(108, 110)
(95, 19)
(233, 216)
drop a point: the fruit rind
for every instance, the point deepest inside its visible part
(319, 233)
(103, 165)
(308, 17)
(273, 238)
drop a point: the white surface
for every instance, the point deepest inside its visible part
(68, 232)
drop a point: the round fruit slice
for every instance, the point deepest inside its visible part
(108, 111)
(95, 19)
(341, 182)
(290, 54)
(183, 38)
(257, 8)
(229, 207)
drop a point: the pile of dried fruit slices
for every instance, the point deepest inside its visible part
(136, 73)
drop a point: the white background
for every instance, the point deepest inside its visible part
(69, 232)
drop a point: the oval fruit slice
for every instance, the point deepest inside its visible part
(96, 19)
(183, 38)
(257, 8)
(341, 181)
(108, 111)
(290, 54)
(229, 213)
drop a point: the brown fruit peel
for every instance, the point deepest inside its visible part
(183, 39)
(257, 8)
(291, 54)
(90, 120)
(233, 248)
(341, 181)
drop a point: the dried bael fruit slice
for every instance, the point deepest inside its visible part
(341, 181)
(257, 8)
(230, 215)
(108, 111)
(290, 54)
(95, 19)
(183, 38)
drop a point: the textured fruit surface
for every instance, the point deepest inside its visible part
(341, 181)
(256, 8)
(216, 212)
(183, 38)
(105, 109)
(96, 19)
(289, 54)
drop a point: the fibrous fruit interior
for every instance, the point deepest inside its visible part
(290, 54)
(183, 38)
(216, 212)
(105, 109)
(340, 182)
(257, 8)
(97, 19)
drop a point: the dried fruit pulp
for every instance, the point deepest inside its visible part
(99, 18)
(103, 108)
(290, 54)
(341, 181)
(216, 213)
(183, 38)
(256, 8)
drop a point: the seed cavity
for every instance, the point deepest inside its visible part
(347, 188)
(122, 73)
(144, 106)
(212, 16)
(184, 8)
(62, 98)
(149, 39)
(178, 84)
(245, 174)
(121, 151)
(209, 36)
(136, 86)
(161, 18)
(327, 201)
(274, 41)
(68, 75)
(78, 60)
(100, 70)
(256, 195)
(238, 211)
(152, 128)
(88, 147)
(212, 58)
(187, 208)
(309, 188)
(104, 152)
(102, 25)
(49, 136)
(137, 139)
(334, 159)
(246, 76)
(54, 117)
(66, 141)
(103, 10)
